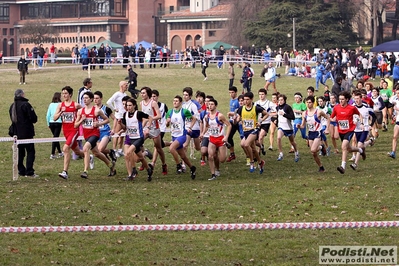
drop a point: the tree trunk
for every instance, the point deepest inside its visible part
(395, 21)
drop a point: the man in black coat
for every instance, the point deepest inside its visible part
(23, 117)
(22, 67)
(126, 54)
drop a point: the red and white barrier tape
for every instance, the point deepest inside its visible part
(201, 227)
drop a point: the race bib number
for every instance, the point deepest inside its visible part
(132, 133)
(88, 123)
(213, 131)
(176, 128)
(343, 124)
(384, 97)
(248, 124)
(68, 117)
(188, 121)
(311, 127)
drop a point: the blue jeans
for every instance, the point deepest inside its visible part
(318, 80)
(40, 61)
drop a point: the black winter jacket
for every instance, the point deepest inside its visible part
(26, 117)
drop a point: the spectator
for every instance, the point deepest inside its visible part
(101, 55)
(41, 55)
(22, 69)
(141, 55)
(75, 55)
(84, 55)
(125, 54)
(35, 52)
(55, 126)
(52, 53)
(133, 53)
(108, 56)
(23, 117)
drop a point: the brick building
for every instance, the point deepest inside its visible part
(90, 21)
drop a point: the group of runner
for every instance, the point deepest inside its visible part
(198, 121)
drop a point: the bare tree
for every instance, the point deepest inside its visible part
(241, 12)
(38, 31)
(377, 9)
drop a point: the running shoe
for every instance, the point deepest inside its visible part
(84, 175)
(341, 169)
(262, 149)
(372, 141)
(212, 178)
(178, 169)
(141, 168)
(353, 158)
(164, 169)
(363, 154)
(193, 173)
(248, 162)
(112, 170)
(148, 154)
(251, 167)
(231, 157)
(228, 145)
(261, 166)
(321, 169)
(280, 157)
(323, 150)
(53, 157)
(392, 154)
(63, 175)
(112, 154)
(270, 148)
(353, 166)
(183, 167)
(203, 163)
(217, 173)
(296, 159)
(149, 172)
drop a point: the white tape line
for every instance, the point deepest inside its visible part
(201, 227)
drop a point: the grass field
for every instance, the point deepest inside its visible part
(285, 192)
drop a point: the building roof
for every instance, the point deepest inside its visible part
(221, 10)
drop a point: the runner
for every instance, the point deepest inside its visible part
(150, 107)
(134, 123)
(312, 118)
(214, 123)
(105, 130)
(177, 118)
(285, 116)
(362, 126)
(87, 117)
(248, 114)
(67, 111)
(344, 114)
(265, 125)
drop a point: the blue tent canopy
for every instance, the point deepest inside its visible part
(146, 45)
(392, 46)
